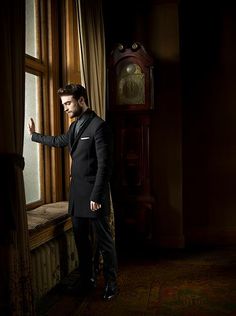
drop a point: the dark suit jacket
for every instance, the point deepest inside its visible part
(91, 153)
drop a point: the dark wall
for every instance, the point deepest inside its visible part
(155, 25)
(208, 50)
(125, 22)
(193, 130)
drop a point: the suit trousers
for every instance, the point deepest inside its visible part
(93, 236)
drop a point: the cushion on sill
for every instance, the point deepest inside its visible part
(46, 214)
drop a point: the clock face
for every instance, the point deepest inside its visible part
(130, 85)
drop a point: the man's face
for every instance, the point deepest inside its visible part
(72, 107)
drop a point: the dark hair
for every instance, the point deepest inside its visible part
(76, 90)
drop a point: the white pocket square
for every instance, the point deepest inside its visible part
(83, 138)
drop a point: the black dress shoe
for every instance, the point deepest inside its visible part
(110, 292)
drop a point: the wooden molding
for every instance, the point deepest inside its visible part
(48, 231)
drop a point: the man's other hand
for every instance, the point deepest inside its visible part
(94, 206)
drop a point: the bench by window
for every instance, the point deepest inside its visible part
(47, 222)
(52, 246)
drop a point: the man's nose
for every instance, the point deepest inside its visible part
(65, 107)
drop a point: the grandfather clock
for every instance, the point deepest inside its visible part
(130, 103)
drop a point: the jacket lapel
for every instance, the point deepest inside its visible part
(71, 135)
(82, 129)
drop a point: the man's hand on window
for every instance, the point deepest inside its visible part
(31, 126)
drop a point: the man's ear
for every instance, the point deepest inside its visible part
(81, 99)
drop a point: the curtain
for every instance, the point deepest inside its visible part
(15, 271)
(92, 43)
(93, 60)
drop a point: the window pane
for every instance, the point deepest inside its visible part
(31, 149)
(31, 29)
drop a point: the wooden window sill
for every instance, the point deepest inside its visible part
(47, 222)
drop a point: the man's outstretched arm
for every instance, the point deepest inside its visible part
(52, 141)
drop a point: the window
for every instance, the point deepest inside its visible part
(42, 181)
(32, 178)
(32, 28)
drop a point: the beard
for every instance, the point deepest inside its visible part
(76, 112)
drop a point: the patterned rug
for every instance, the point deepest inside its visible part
(200, 283)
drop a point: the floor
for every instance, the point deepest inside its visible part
(197, 282)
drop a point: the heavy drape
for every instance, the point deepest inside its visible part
(15, 272)
(92, 43)
(93, 59)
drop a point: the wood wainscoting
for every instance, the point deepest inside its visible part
(52, 246)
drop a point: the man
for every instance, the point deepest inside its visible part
(90, 145)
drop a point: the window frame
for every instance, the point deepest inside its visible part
(47, 68)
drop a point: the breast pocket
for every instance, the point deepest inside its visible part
(85, 142)
(84, 138)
